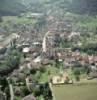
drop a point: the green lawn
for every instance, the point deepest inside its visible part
(75, 92)
(18, 98)
(53, 71)
(50, 71)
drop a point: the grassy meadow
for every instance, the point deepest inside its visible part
(75, 92)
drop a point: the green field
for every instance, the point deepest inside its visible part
(75, 92)
(50, 71)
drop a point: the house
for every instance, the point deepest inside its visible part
(92, 75)
(69, 61)
(2, 95)
(46, 62)
(26, 50)
(74, 35)
(95, 60)
(36, 43)
(61, 79)
(37, 59)
(1, 36)
(67, 49)
(84, 59)
(27, 37)
(17, 91)
(35, 15)
(76, 55)
(29, 97)
(91, 59)
(58, 80)
(59, 55)
(2, 57)
(27, 60)
(93, 68)
(1, 47)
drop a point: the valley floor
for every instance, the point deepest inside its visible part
(76, 92)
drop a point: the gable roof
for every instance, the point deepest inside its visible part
(29, 97)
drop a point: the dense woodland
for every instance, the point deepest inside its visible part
(15, 7)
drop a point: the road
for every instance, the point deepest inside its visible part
(44, 42)
(27, 83)
(50, 85)
(11, 89)
(11, 92)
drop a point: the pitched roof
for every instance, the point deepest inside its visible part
(26, 50)
(95, 58)
(29, 97)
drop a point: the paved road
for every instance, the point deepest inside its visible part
(27, 83)
(50, 85)
(44, 42)
(11, 89)
(11, 92)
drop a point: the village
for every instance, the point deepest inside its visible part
(36, 57)
(48, 50)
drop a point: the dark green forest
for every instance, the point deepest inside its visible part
(15, 7)
(11, 7)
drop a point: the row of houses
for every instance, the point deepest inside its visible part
(77, 56)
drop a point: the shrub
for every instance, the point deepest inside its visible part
(25, 91)
(76, 73)
(11, 62)
(1, 19)
(33, 71)
(37, 91)
(42, 69)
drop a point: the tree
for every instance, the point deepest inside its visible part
(84, 6)
(76, 73)
(43, 90)
(47, 94)
(33, 71)
(7, 93)
(42, 69)
(25, 91)
(77, 64)
(1, 19)
(7, 8)
(10, 62)
(90, 48)
(37, 91)
(3, 83)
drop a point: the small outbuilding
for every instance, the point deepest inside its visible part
(29, 97)
(61, 79)
(26, 50)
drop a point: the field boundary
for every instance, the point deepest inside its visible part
(75, 84)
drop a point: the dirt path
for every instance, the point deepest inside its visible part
(11, 92)
(50, 85)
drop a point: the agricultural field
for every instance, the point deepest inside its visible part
(76, 92)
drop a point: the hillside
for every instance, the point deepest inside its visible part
(15, 7)
(45, 43)
(11, 7)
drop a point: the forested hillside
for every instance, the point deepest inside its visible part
(11, 7)
(15, 7)
(84, 6)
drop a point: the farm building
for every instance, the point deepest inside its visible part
(61, 79)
